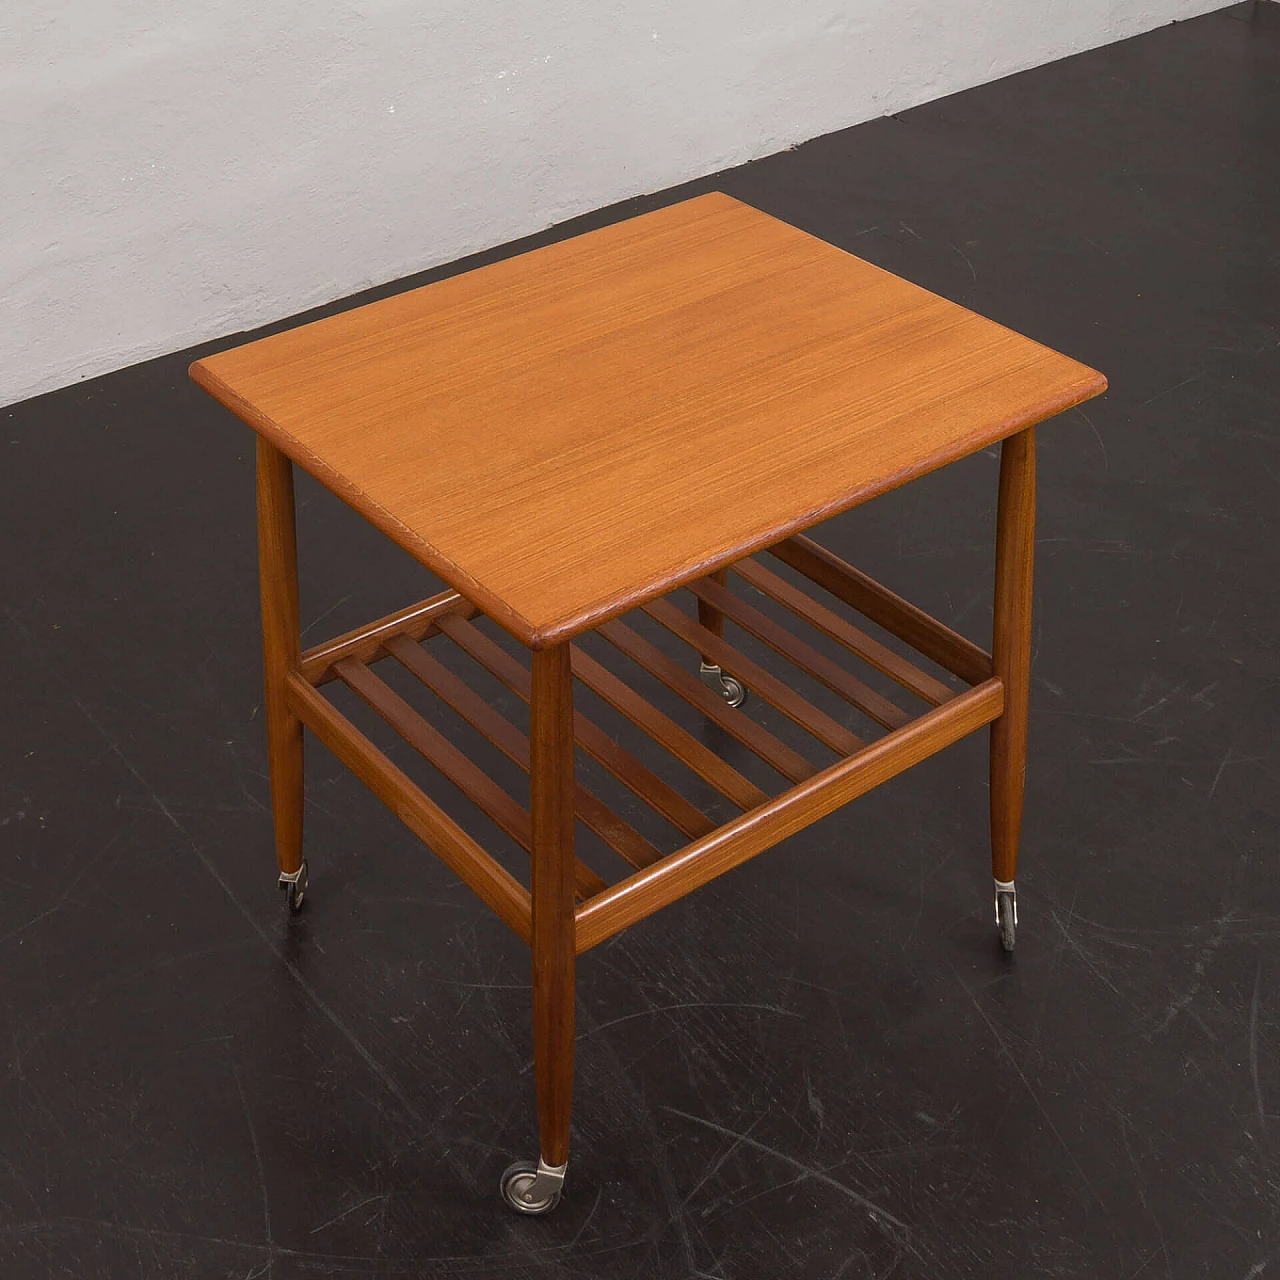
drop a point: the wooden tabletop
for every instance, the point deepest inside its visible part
(565, 434)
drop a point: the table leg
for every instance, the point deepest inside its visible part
(708, 615)
(1011, 656)
(730, 688)
(281, 650)
(529, 1188)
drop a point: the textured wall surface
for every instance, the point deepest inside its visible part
(170, 173)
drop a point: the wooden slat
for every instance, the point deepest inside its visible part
(417, 622)
(870, 650)
(679, 741)
(467, 776)
(618, 834)
(463, 772)
(927, 635)
(593, 740)
(678, 874)
(791, 764)
(492, 883)
(803, 655)
(769, 687)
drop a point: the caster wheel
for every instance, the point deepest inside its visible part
(730, 688)
(521, 1189)
(733, 691)
(295, 889)
(1007, 919)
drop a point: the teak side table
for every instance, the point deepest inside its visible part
(548, 435)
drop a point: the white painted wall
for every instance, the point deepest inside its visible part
(170, 173)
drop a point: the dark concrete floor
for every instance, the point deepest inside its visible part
(821, 1065)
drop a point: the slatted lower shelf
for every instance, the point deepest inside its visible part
(804, 791)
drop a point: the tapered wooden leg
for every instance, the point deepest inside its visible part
(551, 807)
(708, 615)
(730, 688)
(1011, 646)
(281, 644)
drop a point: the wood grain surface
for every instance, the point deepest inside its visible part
(569, 433)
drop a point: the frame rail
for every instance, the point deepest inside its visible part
(647, 891)
(949, 649)
(491, 882)
(658, 879)
(366, 644)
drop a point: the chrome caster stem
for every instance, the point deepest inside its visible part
(730, 688)
(1007, 913)
(533, 1188)
(293, 884)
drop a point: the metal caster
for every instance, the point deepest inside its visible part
(730, 688)
(294, 886)
(1007, 913)
(533, 1188)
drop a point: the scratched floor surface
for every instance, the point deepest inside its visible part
(819, 1066)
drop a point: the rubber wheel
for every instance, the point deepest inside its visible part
(1008, 928)
(516, 1180)
(296, 890)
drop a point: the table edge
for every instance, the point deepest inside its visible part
(608, 607)
(570, 625)
(418, 547)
